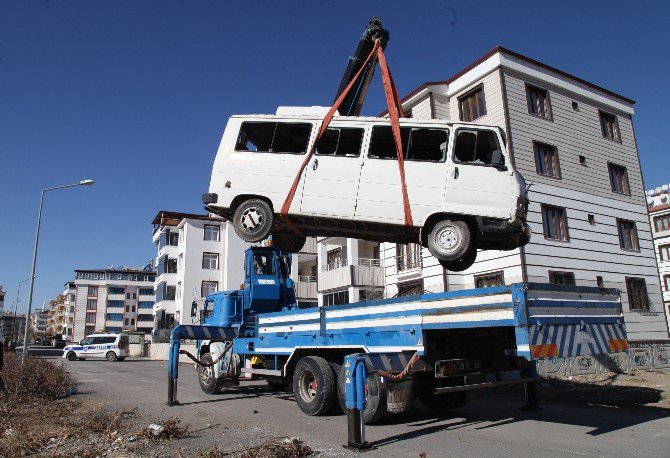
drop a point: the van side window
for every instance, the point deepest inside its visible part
(475, 146)
(274, 137)
(418, 144)
(340, 141)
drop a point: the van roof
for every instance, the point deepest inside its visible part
(311, 117)
(107, 334)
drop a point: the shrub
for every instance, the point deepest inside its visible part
(35, 378)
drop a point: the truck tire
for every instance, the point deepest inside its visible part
(253, 220)
(208, 383)
(450, 240)
(71, 356)
(288, 243)
(110, 356)
(461, 264)
(375, 400)
(314, 385)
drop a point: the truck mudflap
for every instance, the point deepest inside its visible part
(568, 321)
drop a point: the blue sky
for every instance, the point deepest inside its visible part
(135, 95)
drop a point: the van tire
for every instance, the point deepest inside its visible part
(461, 264)
(208, 383)
(375, 401)
(314, 385)
(450, 240)
(288, 243)
(111, 356)
(71, 356)
(253, 220)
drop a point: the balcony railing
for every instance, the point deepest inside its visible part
(306, 287)
(414, 261)
(366, 272)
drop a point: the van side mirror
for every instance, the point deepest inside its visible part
(498, 160)
(194, 309)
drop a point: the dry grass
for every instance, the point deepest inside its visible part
(35, 380)
(282, 447)
(170, 430)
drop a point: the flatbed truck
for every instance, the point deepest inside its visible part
(444, 346)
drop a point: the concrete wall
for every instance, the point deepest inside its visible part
(160, 352)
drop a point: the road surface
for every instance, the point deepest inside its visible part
(490, 426)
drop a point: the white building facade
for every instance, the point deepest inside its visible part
(39, 322)
(659, 213)
(575, 145)
(113, 300)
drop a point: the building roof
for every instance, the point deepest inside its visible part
(133, 270)
(502, 50)
(169, 218)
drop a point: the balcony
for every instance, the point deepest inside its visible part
(306, 287)
(409, 266)
(366, 272)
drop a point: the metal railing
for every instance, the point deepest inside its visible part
(344, 263)
(334, 265)
(369, 262)
(307, 278)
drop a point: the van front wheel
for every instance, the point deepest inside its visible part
(72, 356)
(450, 240)
(253, 220)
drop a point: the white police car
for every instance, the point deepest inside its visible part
(112, 347)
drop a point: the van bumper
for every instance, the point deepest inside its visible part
(501, 234)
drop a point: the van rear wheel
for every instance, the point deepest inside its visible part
(461, 264)
(450, 240)
(288, 243)
(253, 220)
(110, 356)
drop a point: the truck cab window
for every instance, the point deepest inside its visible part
(340, 142)
(475, 146)
(263, 264)
(274, 137)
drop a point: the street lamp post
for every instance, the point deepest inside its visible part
(24, 353)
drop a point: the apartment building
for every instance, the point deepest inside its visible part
(574, 143)
(12, 326)
(196, 256)
(113, 300)
(39, 321)
(658, 201)
(61, 312)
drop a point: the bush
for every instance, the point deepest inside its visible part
(36, 378)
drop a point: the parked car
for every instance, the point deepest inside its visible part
(112, 347)
(463, 190)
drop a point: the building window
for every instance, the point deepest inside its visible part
(575, 106)
(173, 238)
(116, 290)
(637, 294)
(555, 223)
(125, 322)
(472, 105)
(208, 287)
(538, 101)
(600, 282)
(546, 160)
(414, 288)
(127, 295)
(169, 293)
(178, 290)
(171, 266)
(562, 278)
(664, 252)
(88, 330)
(662, 223)
(210, 261)
(628, 235)
(91, 304)
(90, 317)
(334, 259)
(134, 295)
(666, 282)
(212, 233)
(146, 292)
(592, 219)
(127, 308)
(619, 179)
(92, 291)
(489, 280)
(339, 297)
(609, 126)
(408, 256)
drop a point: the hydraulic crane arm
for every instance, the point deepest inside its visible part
(353, 102)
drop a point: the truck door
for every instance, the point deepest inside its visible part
(331, 177)
(380, 193)
(476, 186)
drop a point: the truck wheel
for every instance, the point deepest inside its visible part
(461, 264)
(375, 397)
(208, 383)
(71, 356)
(449, 240)
(276, 385)
(110, 356)
(253, 220)
(288, 243)
(314, 385)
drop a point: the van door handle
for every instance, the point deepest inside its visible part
(315, 165)
(455, 173)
